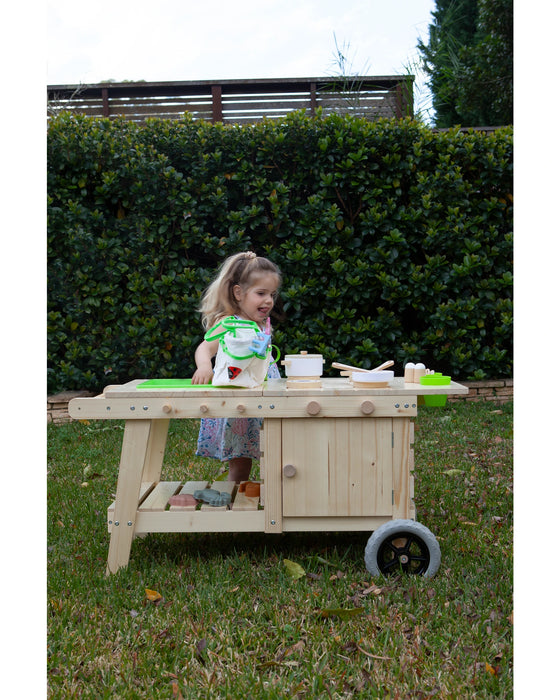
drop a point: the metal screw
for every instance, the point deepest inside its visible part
(108, 408)
(116, 522)
(129, 523)
(271, 405)
(145, 408)
(406, 405)
(397, 405)
(133, 408)
(273, 522)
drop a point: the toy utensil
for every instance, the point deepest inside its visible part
(338, 365)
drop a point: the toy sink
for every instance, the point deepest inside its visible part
(436, 379)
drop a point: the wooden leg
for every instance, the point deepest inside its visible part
(156, 450)
(402, 436)
(272, 462)
(135, 455)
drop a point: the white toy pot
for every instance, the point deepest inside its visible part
(303, 365)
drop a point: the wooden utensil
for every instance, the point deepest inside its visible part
(338, 365)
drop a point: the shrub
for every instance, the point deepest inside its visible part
(395, 242)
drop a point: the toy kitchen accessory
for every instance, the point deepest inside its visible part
(303, 371)
(243, 354)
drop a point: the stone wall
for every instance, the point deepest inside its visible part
(497, 391)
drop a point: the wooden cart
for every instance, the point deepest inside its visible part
(333, 459)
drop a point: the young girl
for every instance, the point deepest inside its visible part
(245, 287)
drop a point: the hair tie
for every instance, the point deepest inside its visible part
(250, 255)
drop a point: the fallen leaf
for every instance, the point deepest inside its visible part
(153, 595)
(490, 669)
(372, 589)
(452, 472)
(293, 569)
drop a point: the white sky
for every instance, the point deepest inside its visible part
(194, 40)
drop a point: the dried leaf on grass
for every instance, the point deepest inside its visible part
(293, 569)
(153, 596)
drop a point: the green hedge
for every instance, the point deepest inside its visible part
(395, 242)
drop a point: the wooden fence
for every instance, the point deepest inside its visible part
(238, 101)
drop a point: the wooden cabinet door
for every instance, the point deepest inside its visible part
(343, 467)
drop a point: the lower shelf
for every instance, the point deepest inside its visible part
(244, 514)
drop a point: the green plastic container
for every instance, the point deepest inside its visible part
(436, 379)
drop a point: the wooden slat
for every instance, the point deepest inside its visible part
(401, 468)
(222, 487)
(160, 496)
(271, 469)
(189, 488)
(244, 502)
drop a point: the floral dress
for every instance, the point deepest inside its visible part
(226, 438)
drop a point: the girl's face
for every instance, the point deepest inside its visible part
(256, 301)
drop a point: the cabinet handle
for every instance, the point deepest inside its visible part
(367, 407)
(313, 408)
(289, 471)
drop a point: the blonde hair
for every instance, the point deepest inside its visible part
(219, 300)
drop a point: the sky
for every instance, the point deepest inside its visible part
(186, 40)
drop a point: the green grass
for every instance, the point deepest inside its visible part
(232, 623)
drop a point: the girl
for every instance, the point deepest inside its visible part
(245, 287)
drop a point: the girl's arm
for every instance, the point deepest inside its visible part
(203, 358)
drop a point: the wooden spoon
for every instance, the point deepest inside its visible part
(338, 365)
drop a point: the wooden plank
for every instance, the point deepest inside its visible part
(332, 405)
(133, 455)
(160, 496)
(200, 521)
(222, 487)
(156, 450)
(334, 524)
(244, 502)
(271, 466)
(401, 468)
(189, 487)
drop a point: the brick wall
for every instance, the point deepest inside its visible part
(497, 391)
(57, 405)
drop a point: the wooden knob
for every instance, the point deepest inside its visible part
(241, 408)
(313, 408)
(289, 471)
(203, 408)
(166, 408)
(367, 407)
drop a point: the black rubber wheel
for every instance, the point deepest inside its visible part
(402, 546)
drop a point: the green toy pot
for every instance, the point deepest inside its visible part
(436, 379)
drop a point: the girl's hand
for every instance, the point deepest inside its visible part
(203, 375)
(203, 359)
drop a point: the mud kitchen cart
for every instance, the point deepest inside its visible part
(334, 458)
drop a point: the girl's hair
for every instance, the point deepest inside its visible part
(240, 269)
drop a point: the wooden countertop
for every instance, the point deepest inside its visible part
(338, 386)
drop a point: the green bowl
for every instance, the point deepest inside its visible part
(436, 379)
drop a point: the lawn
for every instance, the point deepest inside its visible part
(221, 616)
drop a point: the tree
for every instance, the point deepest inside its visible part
(469, 58)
